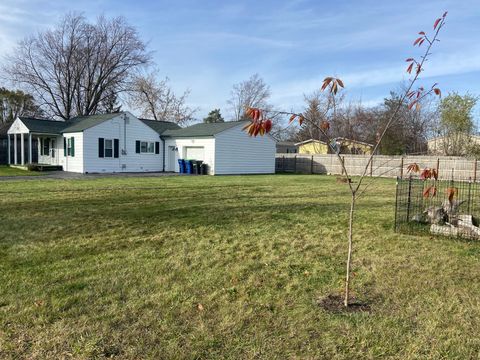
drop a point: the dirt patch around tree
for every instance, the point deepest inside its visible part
(334, 303)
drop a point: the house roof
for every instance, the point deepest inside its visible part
(353, 141)
(43, 126)
(160, 126)
(81, 123)
(309, 141)
(202, 129)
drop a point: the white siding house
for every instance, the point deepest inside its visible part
(120, 142)
(224, 147)
(118, 152)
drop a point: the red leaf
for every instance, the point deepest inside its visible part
(412, 104)
(421, 33)
(445, 14)
(413, 168)
(268, 125)
(426, 174)
(421, 42)
(340, 82)
(410, 67)
(326, 82)
(417, 41)
(410, 59)
(437, 91)
(435, 174)
(419, 69)
(251, 129)
(300, 119)
(247, 126)
(334, 88)
(262, 130)
(257, 128)
(451, 192)
(410, 94)
(426, 192)
(256, 114)
(292, 118)
(436, 23)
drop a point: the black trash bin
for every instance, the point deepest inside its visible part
(198, 168)
(204, 169)
(194, 166)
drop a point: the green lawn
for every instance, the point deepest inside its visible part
(10, 171)
(119, 267)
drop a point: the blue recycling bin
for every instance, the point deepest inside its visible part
(181, 166)
(189, 166)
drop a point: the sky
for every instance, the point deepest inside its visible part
(207, 46)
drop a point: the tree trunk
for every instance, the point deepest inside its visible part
(349, 258)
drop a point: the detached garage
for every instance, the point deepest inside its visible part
(224, 147)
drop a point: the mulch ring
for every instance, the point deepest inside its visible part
(334, 303)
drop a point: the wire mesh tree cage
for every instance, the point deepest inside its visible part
(438, 207)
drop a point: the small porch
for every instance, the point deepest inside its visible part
(32, 148)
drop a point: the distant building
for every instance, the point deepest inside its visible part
(312, 146)
(349, 146)
(440, 145)
(340, 144)
(286, 147)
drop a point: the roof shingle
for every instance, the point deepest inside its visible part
(202, 129)
(160, 126)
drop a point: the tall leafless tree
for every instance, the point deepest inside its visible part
(76, 66)
(253, 92)
(155, 99)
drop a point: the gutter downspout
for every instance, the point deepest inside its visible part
(163, 146)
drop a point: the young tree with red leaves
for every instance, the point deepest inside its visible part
(261, 124)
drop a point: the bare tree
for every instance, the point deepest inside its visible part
(253, 92)
(78, 65)
(156, 99)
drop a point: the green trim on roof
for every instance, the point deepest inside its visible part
(202, 129)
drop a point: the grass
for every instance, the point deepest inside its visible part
(10, 171)
(224, 267)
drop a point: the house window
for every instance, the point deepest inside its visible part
(108, 148)
(71, 146)
(147, 147)
(46, 147)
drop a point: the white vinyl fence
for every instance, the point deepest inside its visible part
(383, 165)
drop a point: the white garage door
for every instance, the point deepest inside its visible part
(195, 153)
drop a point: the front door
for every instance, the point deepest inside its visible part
(171, 158)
